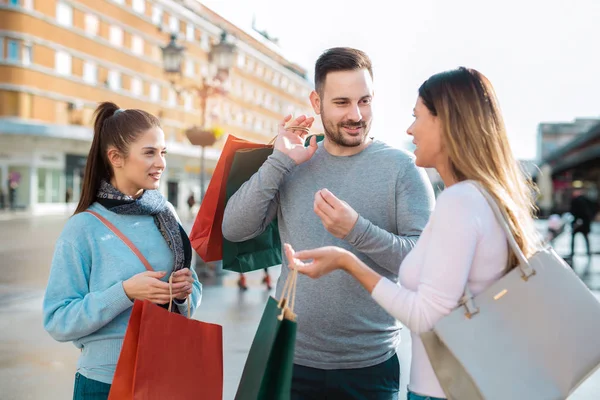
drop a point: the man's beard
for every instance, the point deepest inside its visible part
(335, 134)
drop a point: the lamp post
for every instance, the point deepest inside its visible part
(222, 57)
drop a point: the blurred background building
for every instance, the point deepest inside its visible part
(59, 58)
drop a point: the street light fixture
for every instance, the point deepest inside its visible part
(222, 57)
(172, 56)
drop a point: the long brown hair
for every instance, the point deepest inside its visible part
(113, 128)
(475, 139)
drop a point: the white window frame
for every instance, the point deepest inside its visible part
(63, 63)
(137, 45)
(157, 15)
(189, 68)
(27, 53)
(116, 35)
(139, 6)
(241, 61)
(137, 86)
(188, 102)
(90, 72)
(64, 14)
(28, 4)
(114, 80)
(190, 31)
(92, 24)
(154, 92)
(172, 98)
(174, 24)
(205, 42)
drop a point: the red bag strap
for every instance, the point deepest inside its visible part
(124, 238)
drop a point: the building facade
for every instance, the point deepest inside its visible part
(60, 58)
(553, 135)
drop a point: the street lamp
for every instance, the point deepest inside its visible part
(172, 56)
(221, 56)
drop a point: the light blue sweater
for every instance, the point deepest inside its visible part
(85, 302)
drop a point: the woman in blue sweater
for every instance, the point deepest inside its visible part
(95, 277)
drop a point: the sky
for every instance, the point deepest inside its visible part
(541, 55)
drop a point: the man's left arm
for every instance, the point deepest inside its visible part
(414, 204)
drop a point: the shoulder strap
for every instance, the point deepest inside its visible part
(124, 238)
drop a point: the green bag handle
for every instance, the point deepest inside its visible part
(288, 296)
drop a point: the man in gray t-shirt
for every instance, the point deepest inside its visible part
(349, 191)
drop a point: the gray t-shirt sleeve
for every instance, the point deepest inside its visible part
(252, 208)
(414, 203)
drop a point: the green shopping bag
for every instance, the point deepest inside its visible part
(268, 370)
(264, 250)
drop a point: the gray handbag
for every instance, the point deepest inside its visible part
(534, 334)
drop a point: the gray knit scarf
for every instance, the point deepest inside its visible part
(151, 202)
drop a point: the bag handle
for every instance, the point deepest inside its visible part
(135, 250)
(172, 300)
(124, 238)
(502, 219)
(288, 295)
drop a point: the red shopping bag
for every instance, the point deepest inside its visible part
(168, 356)
(206, 235)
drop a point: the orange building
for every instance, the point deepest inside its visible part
(59, 58)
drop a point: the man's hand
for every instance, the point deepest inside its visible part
(336, 215)
(291, 142)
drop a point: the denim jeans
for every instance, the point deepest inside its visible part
(89, 389)
(379, 382)
(413, 396)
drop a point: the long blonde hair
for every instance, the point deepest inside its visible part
(476, 142)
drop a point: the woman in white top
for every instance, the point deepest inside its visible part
(459, 131)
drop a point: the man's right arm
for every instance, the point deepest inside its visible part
(252, 208)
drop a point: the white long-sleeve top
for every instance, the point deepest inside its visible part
(461, 244)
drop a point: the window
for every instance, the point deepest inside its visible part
(62, 63)
(173, 24)
(116, 36)
(189, 68)
(157, 15)
(13, 50)
(204, 70)
(28, 4)
(188, 103)
(136, 86)
(172, 98)
(154, 92)
(205, 42)
(189, 31)
(137, 45)
(241, 61)
(64, 14)
(114, 80)
(139, 6)
(27, 54)
(90, 72)
(119, 1)
(1, 48)
(91, 24)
